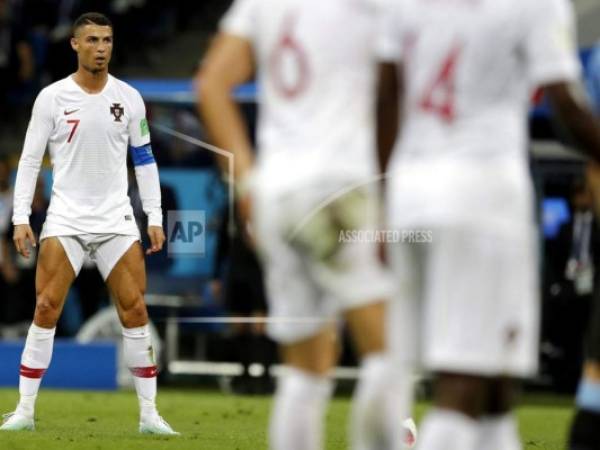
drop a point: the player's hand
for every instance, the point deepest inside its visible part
(157, 239)
(22, 235)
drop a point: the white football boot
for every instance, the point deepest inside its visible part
(17, 422)
(154, 424)
(411, 433)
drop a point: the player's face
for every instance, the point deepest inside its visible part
(93, 44)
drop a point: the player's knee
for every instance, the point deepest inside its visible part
(464, 393)
(47, 309)
(135, 315)
(502, 396)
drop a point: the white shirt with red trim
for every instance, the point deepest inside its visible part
(88, 137)
(470, 69)
(316, 72)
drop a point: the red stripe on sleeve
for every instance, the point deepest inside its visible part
(144, 372)
(28, 372)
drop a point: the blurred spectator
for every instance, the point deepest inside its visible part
(574, 242)
(571, 268)
(58, 54)
(35, 49)
(34, 34)
(7, 270)
(244, 296)
(5, 197)
(17, 66)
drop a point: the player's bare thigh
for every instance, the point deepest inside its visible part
(127, 284)
(53, 278)
(367, 327)
(316, 354)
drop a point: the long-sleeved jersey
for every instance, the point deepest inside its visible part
(88, 137)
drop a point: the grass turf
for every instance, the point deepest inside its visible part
(210, 420)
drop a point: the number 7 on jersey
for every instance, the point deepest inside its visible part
(74, 123)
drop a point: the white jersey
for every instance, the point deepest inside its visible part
(316, 87)
(470, 70)
(88, 136)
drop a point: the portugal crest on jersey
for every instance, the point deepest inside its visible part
(117, 111)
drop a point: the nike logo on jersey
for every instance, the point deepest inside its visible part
(70, 112)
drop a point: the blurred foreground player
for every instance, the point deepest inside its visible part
(313, 179)
(88, 120)
(464, 72)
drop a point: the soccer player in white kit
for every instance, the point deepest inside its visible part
(89, 120)
(313, 179)
(463, 73)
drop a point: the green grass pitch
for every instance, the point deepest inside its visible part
(210, 421)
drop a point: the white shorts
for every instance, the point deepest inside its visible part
(104, 249)
(311, 274)
(467, 302)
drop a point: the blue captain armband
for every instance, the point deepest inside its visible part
(142, 156)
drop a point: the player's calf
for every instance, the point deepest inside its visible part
(384, 392)
(140, 358)
(299, 409)
(34, 362)
(303, 391)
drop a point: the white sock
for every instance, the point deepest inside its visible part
(298, 411)
(139, 357)
(34, 362)
(443, 429)
(499, 433)
(398, 404)
(381, 402)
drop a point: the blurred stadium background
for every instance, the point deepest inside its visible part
(158, 46)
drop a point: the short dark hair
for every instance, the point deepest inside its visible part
(91, 18)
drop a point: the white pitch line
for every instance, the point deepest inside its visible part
(252, 320)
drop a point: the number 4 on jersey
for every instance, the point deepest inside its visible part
(439, 98)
